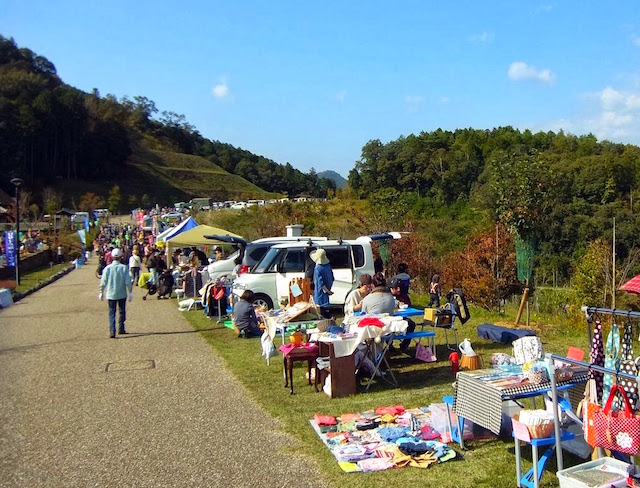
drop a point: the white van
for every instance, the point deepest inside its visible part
(249, 252)
(270, 278)
(79, 217)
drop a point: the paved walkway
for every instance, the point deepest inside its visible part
(156, 408)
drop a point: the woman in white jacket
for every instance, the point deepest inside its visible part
(134, 266)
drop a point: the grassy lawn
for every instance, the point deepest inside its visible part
(483, 463)
(33, 278)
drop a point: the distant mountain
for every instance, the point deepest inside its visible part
(335, 177)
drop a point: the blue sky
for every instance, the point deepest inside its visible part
(310, 83)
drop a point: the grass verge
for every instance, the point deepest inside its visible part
(484, 463)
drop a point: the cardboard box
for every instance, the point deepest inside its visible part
(430, 315)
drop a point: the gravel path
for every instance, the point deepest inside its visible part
(155, 408)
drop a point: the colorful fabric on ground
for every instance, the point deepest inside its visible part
(402, 442)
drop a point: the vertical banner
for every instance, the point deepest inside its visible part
(140, 218)
(83, 236)
(10, 248)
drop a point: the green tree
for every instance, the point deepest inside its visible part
(522, 187)
(592, 278)
(51, 200)
(114, 200)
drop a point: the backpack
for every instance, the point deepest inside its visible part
(459, 304)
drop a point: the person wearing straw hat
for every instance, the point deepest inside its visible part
(322, 281)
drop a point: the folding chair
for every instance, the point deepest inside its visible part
(379, 358)
(446, 319)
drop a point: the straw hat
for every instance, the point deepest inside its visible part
(319, 256)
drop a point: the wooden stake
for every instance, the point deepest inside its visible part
(525, 297)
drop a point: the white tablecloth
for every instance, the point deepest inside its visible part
(345, 346)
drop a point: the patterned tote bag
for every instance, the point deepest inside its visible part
(627, 365)
(596, 356)
(611, 359)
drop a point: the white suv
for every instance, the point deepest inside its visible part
(270, 278)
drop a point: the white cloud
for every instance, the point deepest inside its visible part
(522, 71)
(483, 38)
(444, 100)
(615, 115)
(635, 38)
(221, 90)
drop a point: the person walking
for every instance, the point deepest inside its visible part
(135, 263)
(322, 280)
(115, 285)
(434, 292)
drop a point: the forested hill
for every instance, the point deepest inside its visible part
(558, 191)
(50, 131)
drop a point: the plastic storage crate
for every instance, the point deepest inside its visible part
(601, 473)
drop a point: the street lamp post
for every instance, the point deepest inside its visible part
(17, 182)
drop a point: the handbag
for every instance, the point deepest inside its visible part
(596, 357)
(424, 353)
(588, 406)
(611, 360)
(618, 430)
(527, 349)
(627, 365)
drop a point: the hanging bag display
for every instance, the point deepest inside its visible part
(611, 359)
(627, 365)
(596, 357)
(617, 430)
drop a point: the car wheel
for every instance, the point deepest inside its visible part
(263, 301)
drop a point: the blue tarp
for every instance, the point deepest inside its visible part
(505, 335)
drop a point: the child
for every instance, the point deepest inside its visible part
(434, 292)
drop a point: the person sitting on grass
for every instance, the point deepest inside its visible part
(244, 316)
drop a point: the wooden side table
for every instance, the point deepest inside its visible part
(290, 356)
(342, 371)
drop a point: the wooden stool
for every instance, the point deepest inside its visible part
(297, 354)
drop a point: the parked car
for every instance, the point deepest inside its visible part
(79, 217)
(102, 213)
(270, 278)
(251, 252)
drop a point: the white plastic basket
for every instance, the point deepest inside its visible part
(607, 471)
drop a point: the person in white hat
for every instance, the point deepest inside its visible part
(322, 281)
(115, 285)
